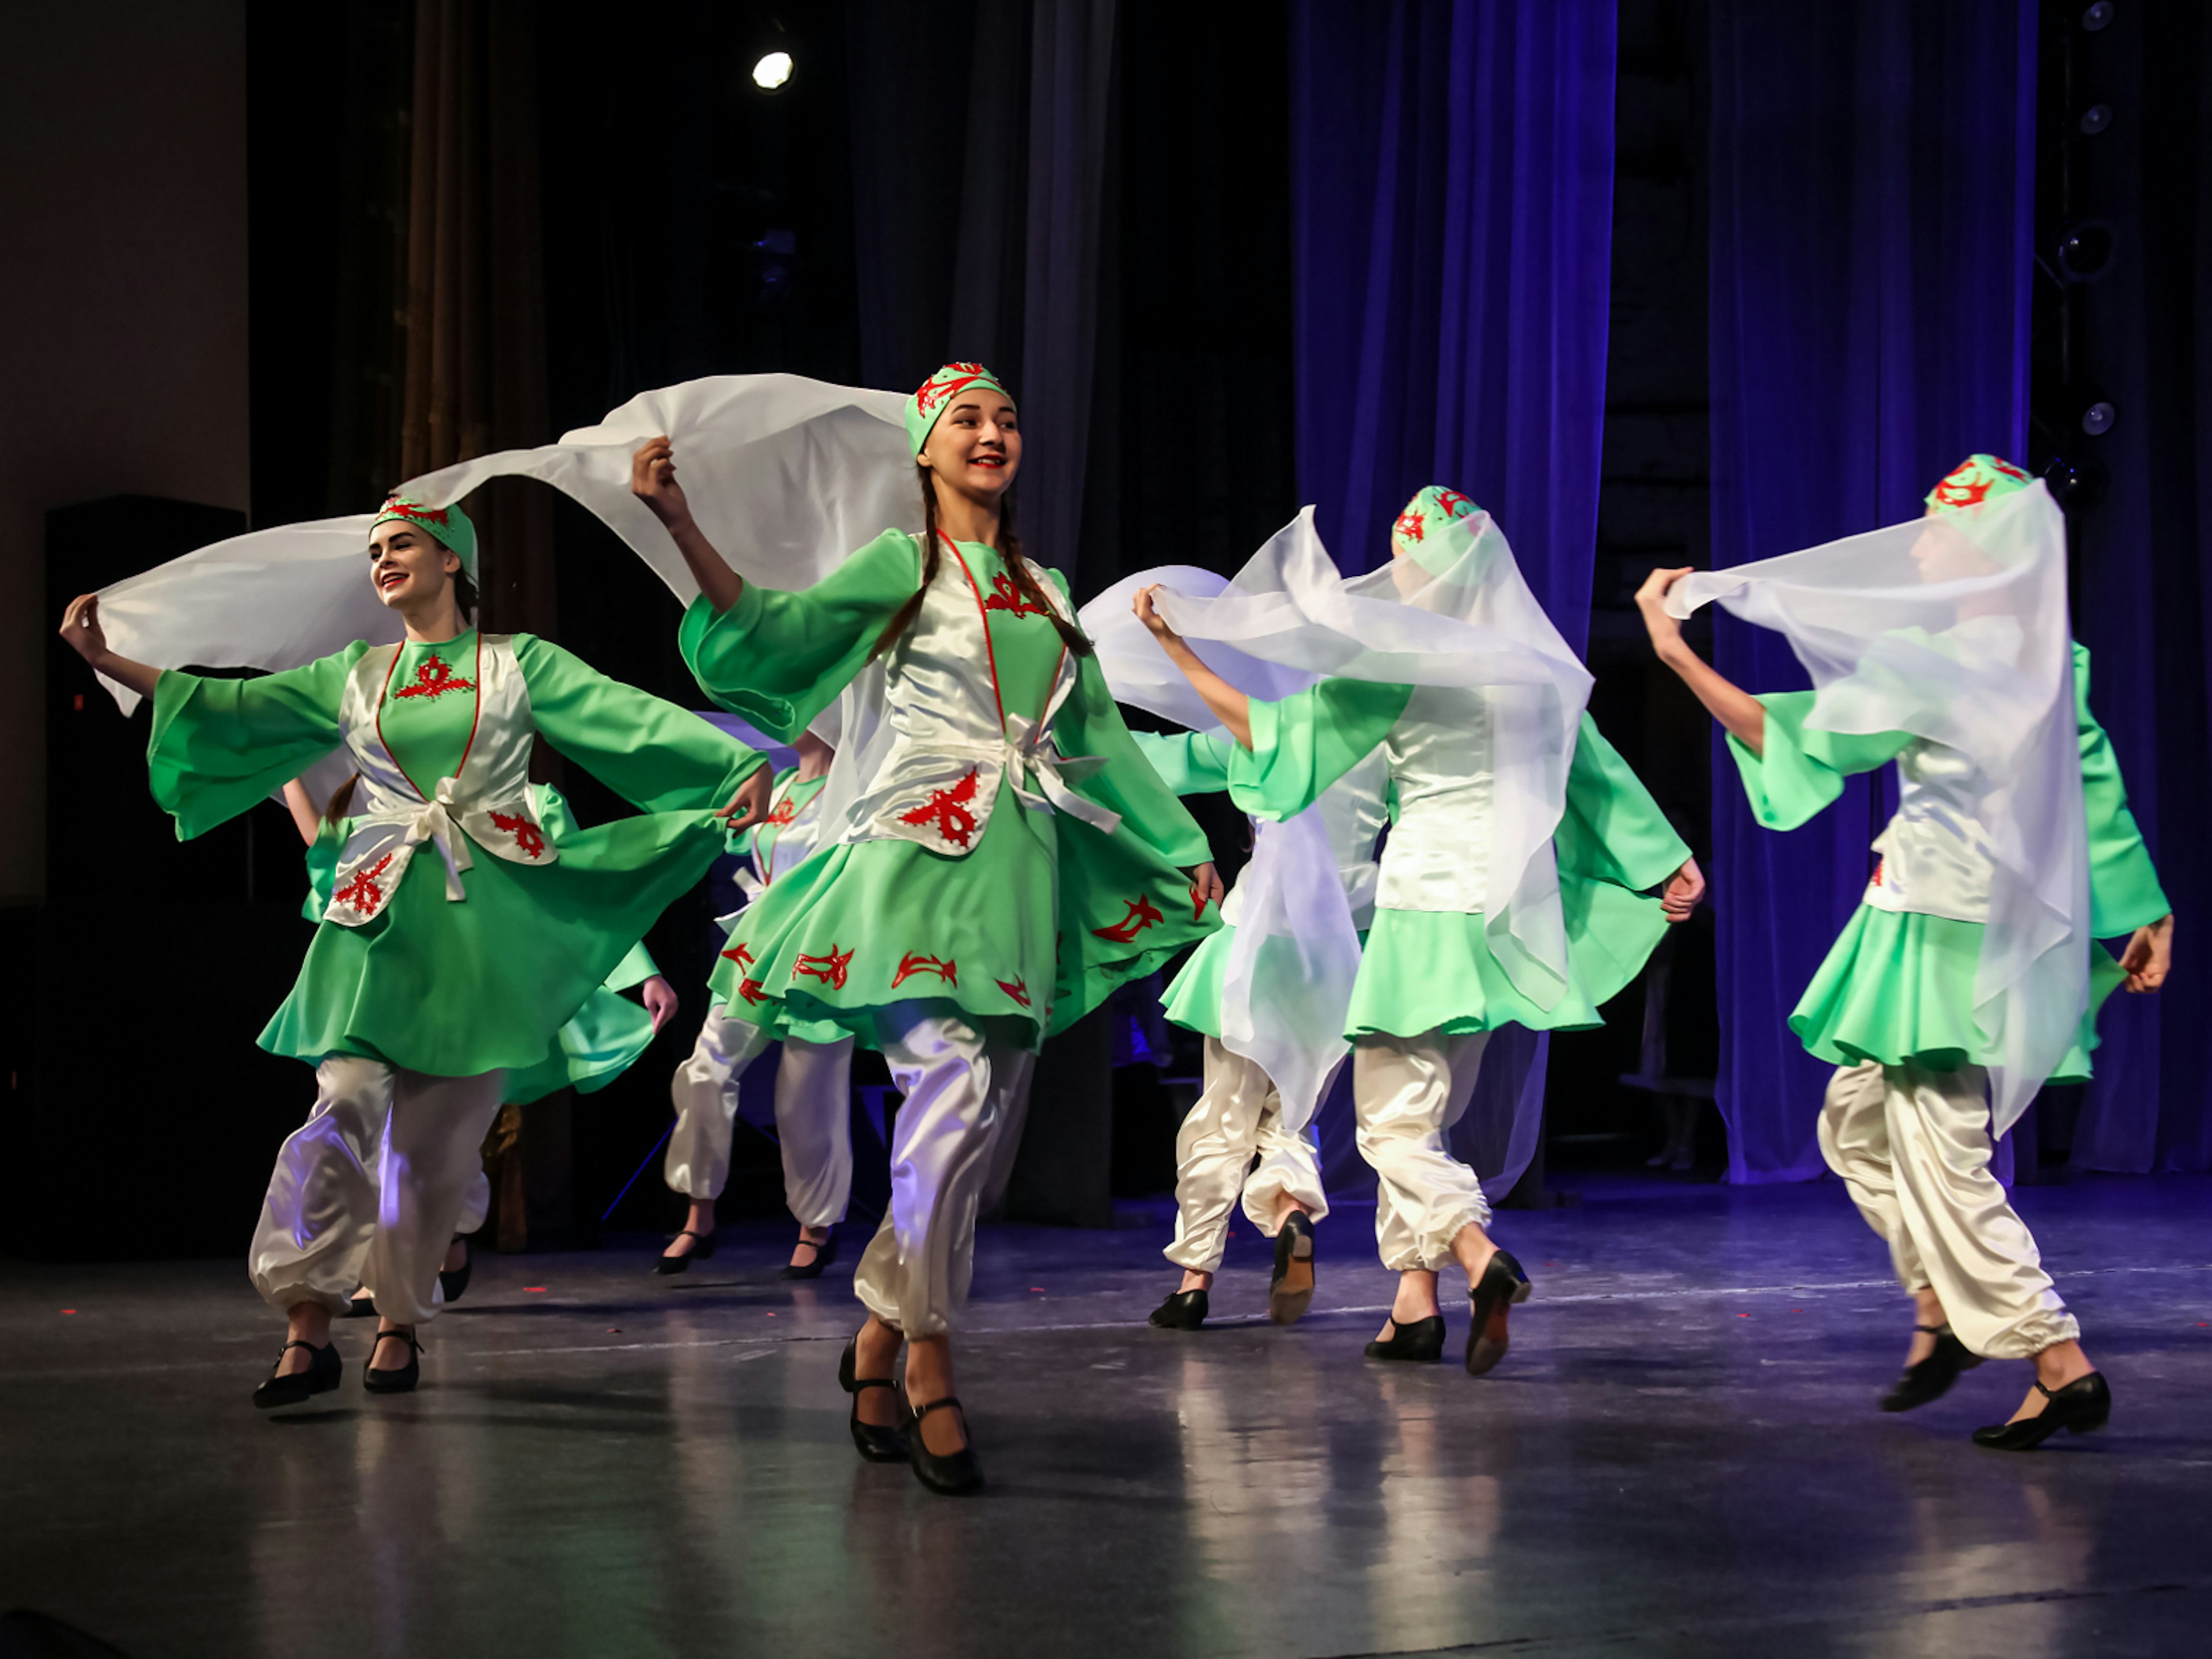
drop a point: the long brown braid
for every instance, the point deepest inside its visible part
(1010, 549)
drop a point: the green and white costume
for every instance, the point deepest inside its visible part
(1516, 885)
(1241, 1113)
(418, 995)
(997, 855)
(813, 1079)
(1970, 967)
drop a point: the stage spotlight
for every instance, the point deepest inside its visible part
(2085, 250)
(2098, 15)
(772, 69)
(2096, 118)
(2097, 417)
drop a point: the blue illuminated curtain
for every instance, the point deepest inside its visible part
(1873, 172)
(1452, 235)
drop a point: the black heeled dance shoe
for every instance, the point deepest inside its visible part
(402, 1381)
(325, 1370)
(956, 1475)
(1928, 1380)
(702, 1250)
(452, 1282)
(1183, 1311)
(872, 1441)
(1291, 1292)
(1502, 1287)
(2082, 1407)
(1422, 1342)
(825, 1254)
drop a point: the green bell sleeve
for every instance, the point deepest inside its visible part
(1612, 830)
(1188, 762)
(658, 757)
(220, 745)
(1303, 742)
(2123, 889)
(1803, 770)
(778, 659)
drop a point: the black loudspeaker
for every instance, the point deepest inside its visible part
(140, 1119)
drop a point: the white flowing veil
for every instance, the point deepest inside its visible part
(1294, 955)
(1954, 628)
(1458, 615)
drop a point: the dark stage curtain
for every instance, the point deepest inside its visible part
(1872, 188)
(1452, 232)
(2142, 606)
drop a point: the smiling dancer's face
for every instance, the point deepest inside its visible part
(975, 447)
(409, 569)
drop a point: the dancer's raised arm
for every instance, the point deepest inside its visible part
(1729, 703)
(653, 480)
(1230, 706)
(81, 628)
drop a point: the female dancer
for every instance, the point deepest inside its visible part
(597, 1045)
(1897, 1006)
(1002, 857)
(813, 1083)
(417, 997)
(1432, 986)
(1239, 1113)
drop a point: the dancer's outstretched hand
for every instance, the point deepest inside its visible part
(1206, 888)
(653, 480)
(1148, 614)
(659, 1001)
(1651, 599)
(81, 628)
(1682, 891)
(749, 805)
(2149, 955)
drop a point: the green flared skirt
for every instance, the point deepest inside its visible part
(486, 984)
(1898, 987)
(1022, 936)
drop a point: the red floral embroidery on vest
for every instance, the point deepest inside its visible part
(363, 892)
(434, 679)
(829, 966)
(1018, 989)
(529, 839)
(786, 811)
(751, 991)
(1143, 913)
(1006, 595)
(740, 954)
(948, 810)
(914, 962)
(1880, 865)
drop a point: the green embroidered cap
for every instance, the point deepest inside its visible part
(448, 526)
(1425, 516)
(1977, 479)
(935, 395)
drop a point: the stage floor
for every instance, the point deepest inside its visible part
(1680, 1456)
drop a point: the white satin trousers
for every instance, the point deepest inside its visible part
(1237, 1118)
(1912, 1146)
(953, 1144)
(373, 1186)
(1406, 1092)
(813, 1116)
